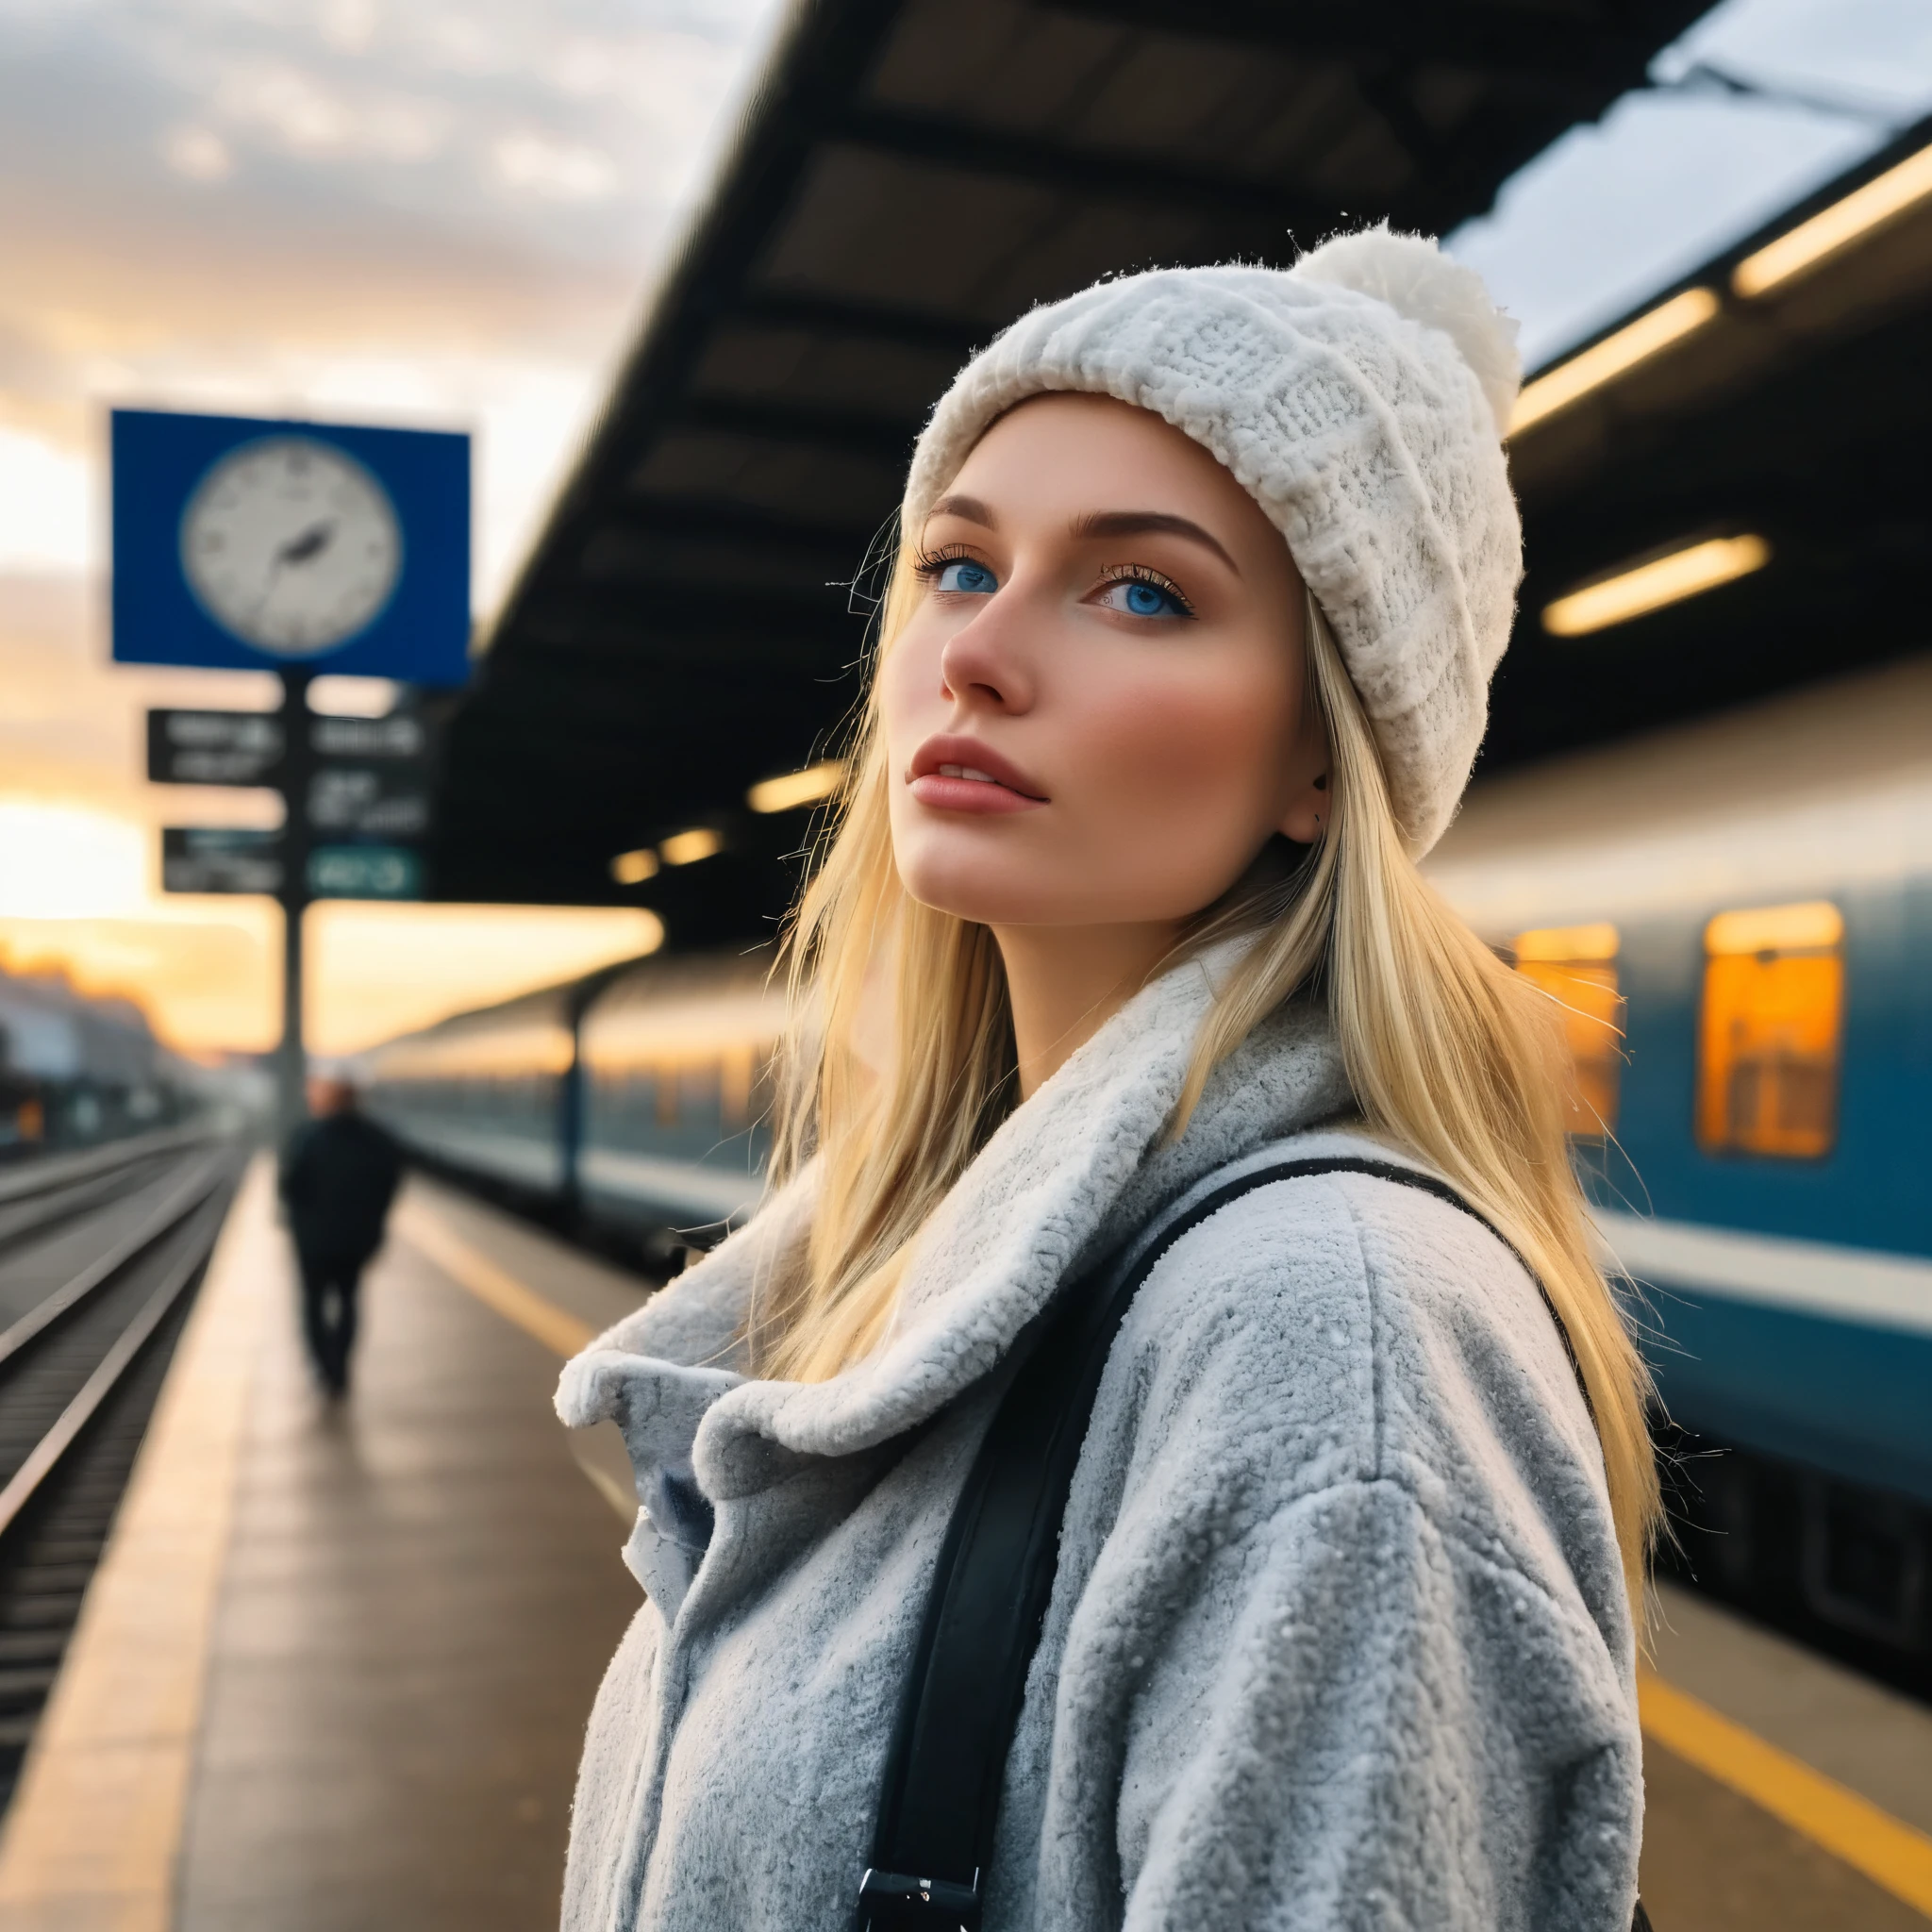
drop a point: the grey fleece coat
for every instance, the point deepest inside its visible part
(1338, 1636)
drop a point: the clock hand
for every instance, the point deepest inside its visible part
(302, 548)
(311, 543)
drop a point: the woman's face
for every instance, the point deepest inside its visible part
(1096, 715)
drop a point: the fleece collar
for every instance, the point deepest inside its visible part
(1071, 1170)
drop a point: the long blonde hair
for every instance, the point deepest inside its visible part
(1450, 1054)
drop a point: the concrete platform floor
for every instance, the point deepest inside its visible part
(421, 1596)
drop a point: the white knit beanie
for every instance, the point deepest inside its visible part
(1359, 397)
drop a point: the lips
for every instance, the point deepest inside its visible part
(952, 772)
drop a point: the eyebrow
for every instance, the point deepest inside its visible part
(1099, 523)
(1150, 522)
(969, 508)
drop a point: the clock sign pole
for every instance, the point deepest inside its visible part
(300, 548)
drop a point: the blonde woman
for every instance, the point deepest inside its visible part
(1203, 575)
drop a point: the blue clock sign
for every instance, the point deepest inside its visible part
(242, 544)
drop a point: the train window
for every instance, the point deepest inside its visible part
(1576, 965)
(1771, 1030)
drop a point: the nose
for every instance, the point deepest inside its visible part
(984, 664)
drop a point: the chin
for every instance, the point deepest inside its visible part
(983, 889)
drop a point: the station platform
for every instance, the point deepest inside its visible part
(334, 1669)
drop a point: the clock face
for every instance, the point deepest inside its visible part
(291, 545)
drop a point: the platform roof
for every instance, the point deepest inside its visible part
(1798, 414)
(911, 174)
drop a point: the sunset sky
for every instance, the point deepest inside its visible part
(450, 213)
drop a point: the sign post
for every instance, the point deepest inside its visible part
(298, 548)
(298, 757)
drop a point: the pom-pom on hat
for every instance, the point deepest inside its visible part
(1359, 397)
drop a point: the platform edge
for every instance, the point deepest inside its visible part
(93, 1838)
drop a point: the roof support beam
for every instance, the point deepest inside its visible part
(710, 632)
(1104, 174)
(1555, 52)
(713, 521)
(915, 328)
(781, 422)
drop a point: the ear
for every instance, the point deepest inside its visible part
(1308, 814)
(1310, 808)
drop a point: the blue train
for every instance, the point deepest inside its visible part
(629, 1104)
(1737, 918)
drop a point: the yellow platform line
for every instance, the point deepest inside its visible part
(557, 1328)
(94, 1832)
(1853, 1829)
(599, 1453)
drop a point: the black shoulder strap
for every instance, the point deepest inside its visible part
(996, 1573)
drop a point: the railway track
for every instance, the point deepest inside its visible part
(99, 1257)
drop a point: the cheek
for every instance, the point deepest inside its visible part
(908, 688)
(1197, 748)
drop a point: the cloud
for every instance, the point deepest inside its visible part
(440, 214)
(47, 505)
(197, 154)
(477, 178)
(68, 861)
(557, 171)
(306, 115)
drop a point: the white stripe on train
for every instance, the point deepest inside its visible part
(1863, 1285)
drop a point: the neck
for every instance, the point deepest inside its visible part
(1065, 982)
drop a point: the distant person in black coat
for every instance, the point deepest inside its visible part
(338, 1176)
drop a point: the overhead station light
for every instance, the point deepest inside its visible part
(1669, 321)
(687, 848)
(634, 868)
(794, 789)
(1650, 586)
(1811, 242)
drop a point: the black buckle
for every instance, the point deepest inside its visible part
(896, 1898)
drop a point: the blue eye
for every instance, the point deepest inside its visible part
(963, 574)
(1139, 598)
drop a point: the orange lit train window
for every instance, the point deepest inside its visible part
(1770, 1032)
(1576, 965)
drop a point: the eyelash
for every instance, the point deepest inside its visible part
(929, 564)
(1141, 573)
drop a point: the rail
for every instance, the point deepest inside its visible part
(41, 1173)
(208, 1178)
(94, 1265)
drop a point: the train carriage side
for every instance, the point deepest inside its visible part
(630, 1103)
(1749, 903)
(482, 1093)
(1774, 1111)
(673, 1094)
